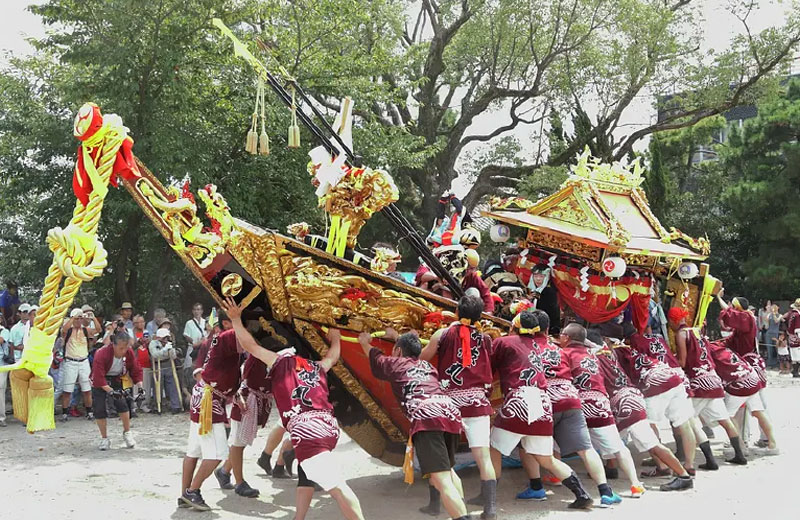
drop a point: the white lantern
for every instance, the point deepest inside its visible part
(688, 270)
(614, 266)
(499, 233)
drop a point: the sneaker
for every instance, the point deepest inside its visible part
(551, 480)
(73, 412)
(582, 503)
(739, 461)
(182, 504)
(637, 491)
(195, 500)
(127, 436)
(223, 478)
(532, 494)
(678, 484)
(90, 416)
(610, 500)
(64, 418)
(244, 490)
(144, 409)
(105, 444)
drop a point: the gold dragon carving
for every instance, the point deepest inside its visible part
(188, 235)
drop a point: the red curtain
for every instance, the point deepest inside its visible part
(598, 304)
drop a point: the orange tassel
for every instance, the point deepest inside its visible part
(408, 463)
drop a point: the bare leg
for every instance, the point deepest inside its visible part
(348, 502)
(531, 466)
(451, 499)
(227, 467)
(594, 465)
(126, 421)
(203, 472)
(484, 461)
(627, 466)
(665, 457)
(87, 401)
(235, 456)
(730, 428)
(559, 469)
(497, 461)
(101, 425)
(457, 483)
(302, 501)
(690, 441)
(274, 439)
(766, 425)
(189, 465)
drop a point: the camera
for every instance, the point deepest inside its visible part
(120, 324)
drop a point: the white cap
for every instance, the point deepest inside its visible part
(34, 308)
(24, 308)
(75, 313)
(162, 333)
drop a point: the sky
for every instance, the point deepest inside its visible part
(17, 24)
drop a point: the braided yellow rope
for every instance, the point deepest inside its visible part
(78, 256)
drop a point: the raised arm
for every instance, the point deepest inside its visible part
(722, 303)
(334, 351)
(432, 347)
(245, 339)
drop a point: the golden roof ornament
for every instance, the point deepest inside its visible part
(592, 169)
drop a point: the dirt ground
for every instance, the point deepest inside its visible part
(61, 473)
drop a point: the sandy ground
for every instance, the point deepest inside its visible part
(61, 473)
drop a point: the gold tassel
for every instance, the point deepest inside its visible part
(408, 463)
(294, 130)
(263, 139)
(252, 137)
(206, 411)
(40, 404)
(19, 393)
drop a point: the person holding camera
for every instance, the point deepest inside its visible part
(162, 356)
(141, 343)
(75, 369)
(115, 373)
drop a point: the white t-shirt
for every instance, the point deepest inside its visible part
(195, 330)
(783, 350)
(117, 364)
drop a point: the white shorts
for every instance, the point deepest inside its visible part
(642, 435)
(734, 402)
(711, 411)
(73, 372)
(672, 405)
(505, 441)
(234, 437)
(325, 470)
(606, 441)
(211, 446)
(477, 431)
(795, 354)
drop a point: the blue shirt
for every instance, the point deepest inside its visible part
(7, 300)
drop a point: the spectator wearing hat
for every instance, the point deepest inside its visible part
(91, 322)
(162, 355)
(75, 369)
(126, 311)
(9, 302)
(20, 331)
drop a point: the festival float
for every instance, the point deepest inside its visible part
(596, 233)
